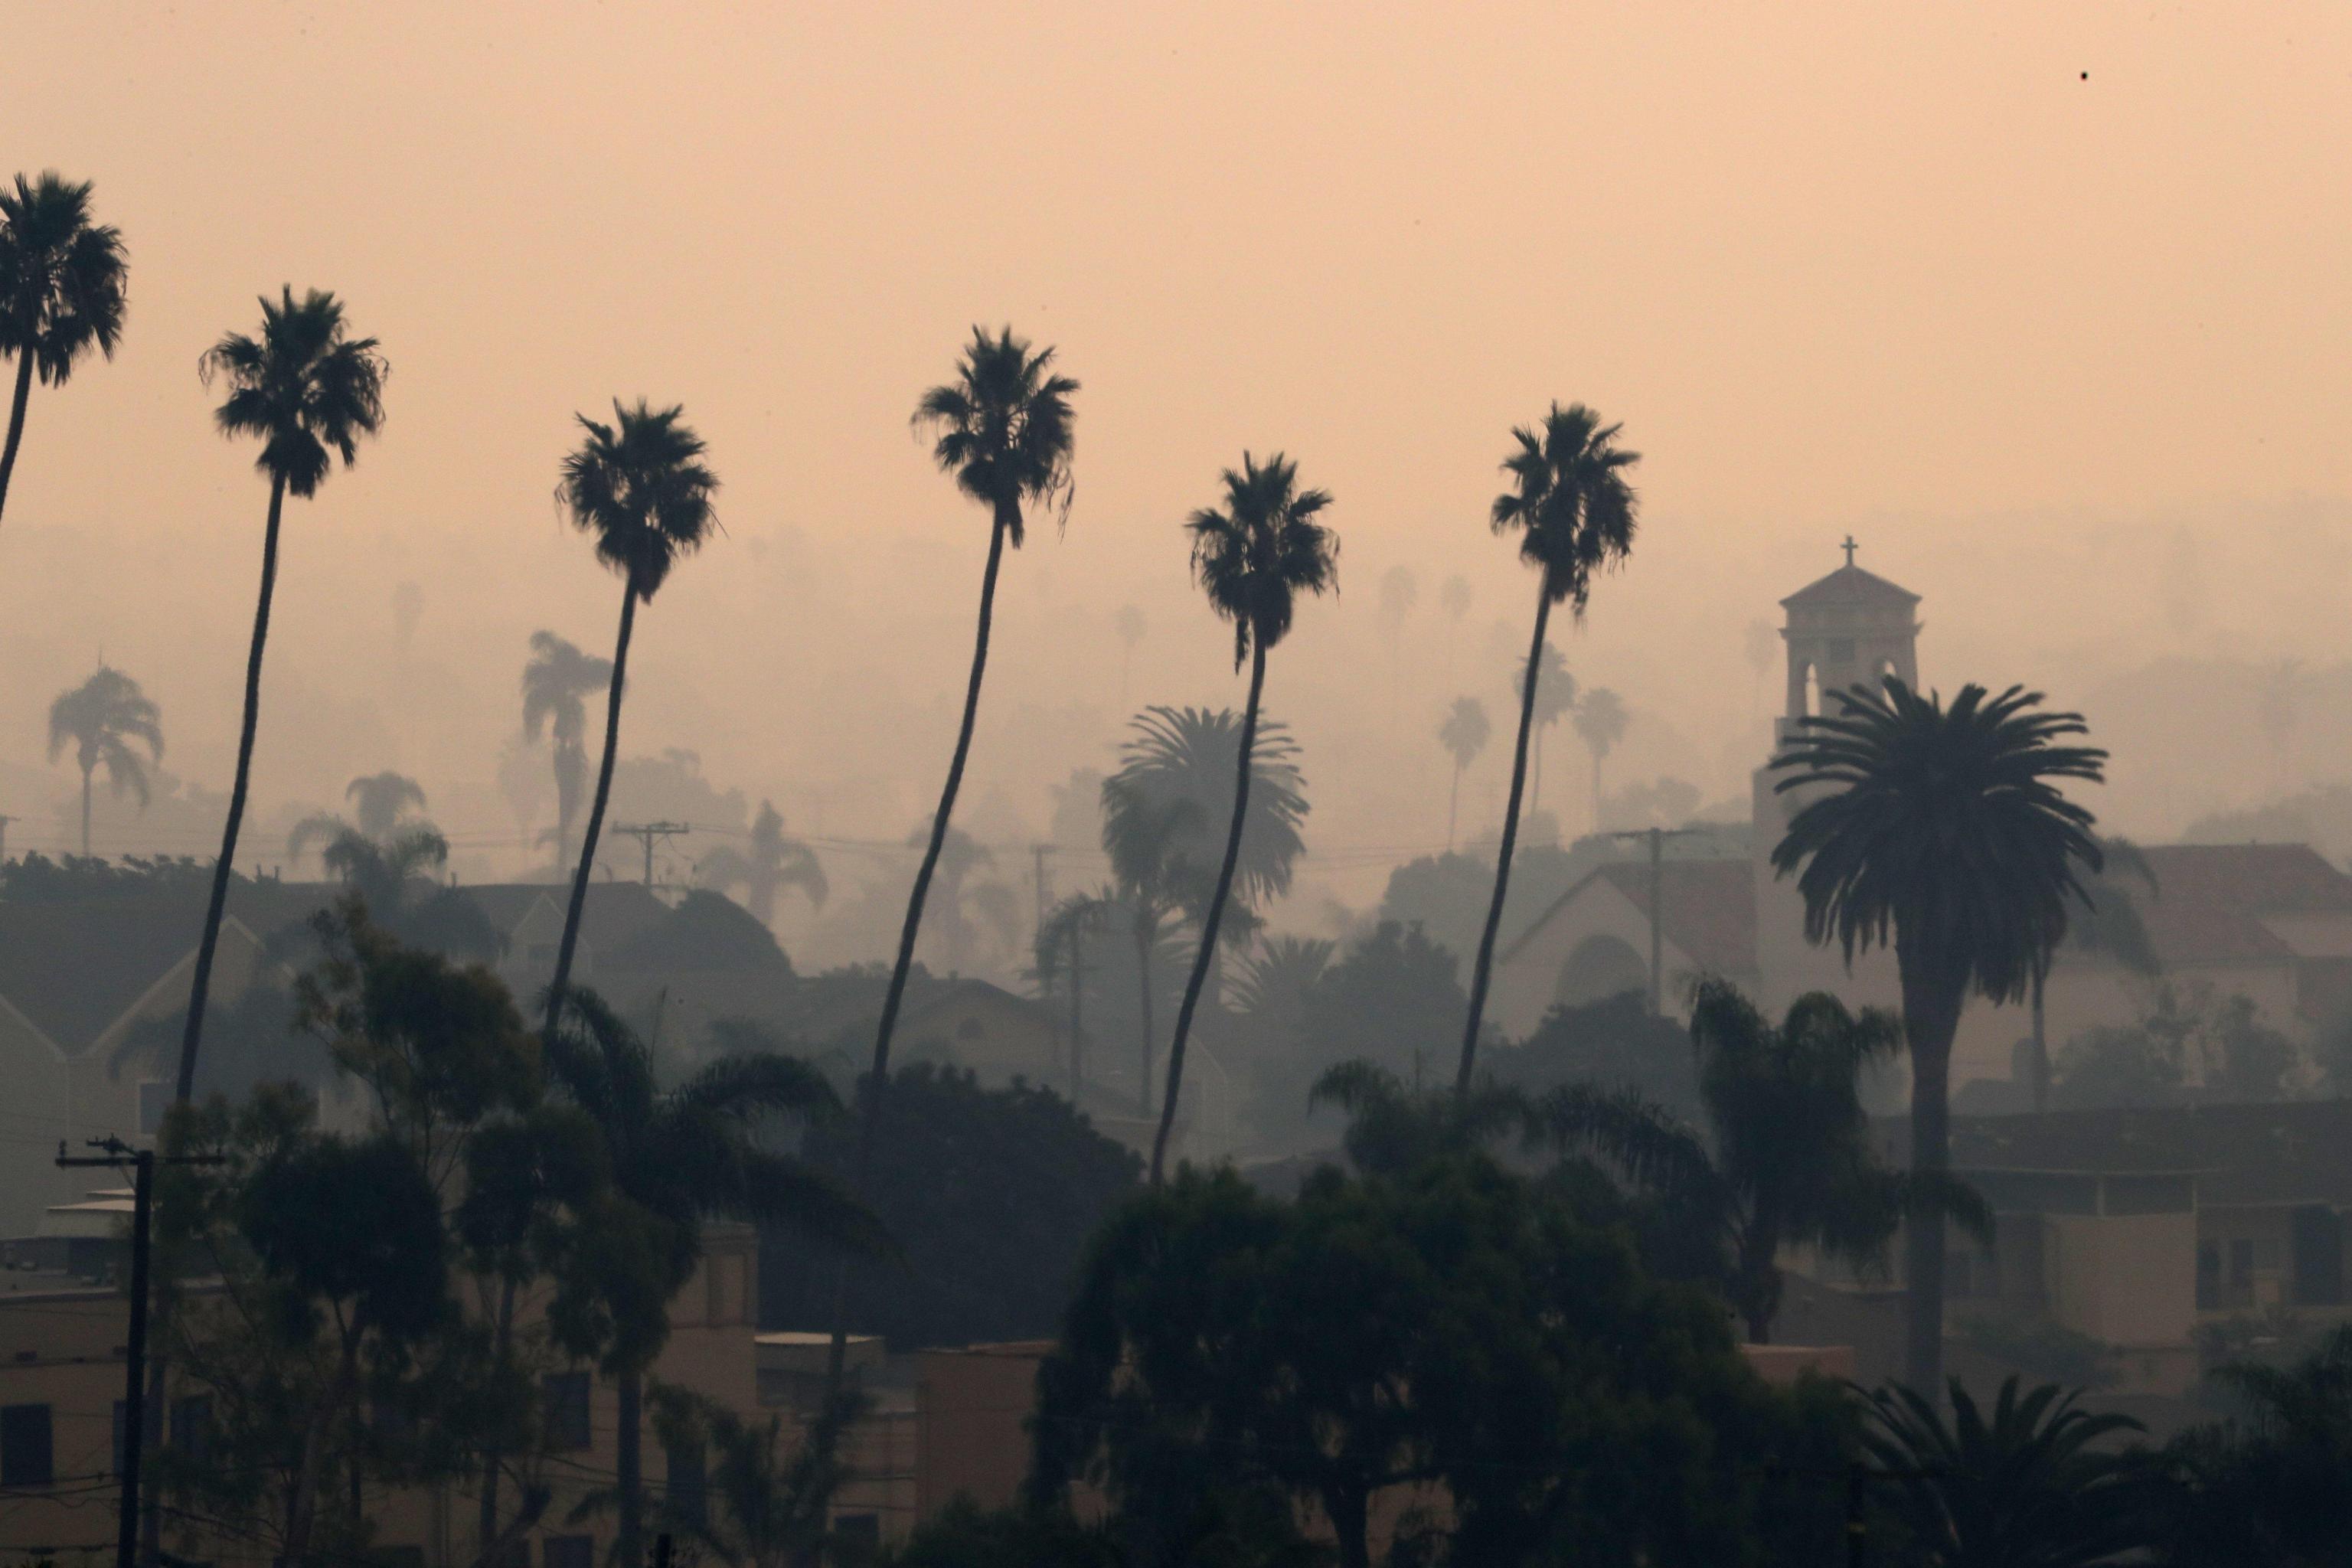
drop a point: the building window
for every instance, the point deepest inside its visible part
(690, 1487)
(564, 1395)
(2241, 1262)
(24, 1446)
(191, 1428)
(568, 1551)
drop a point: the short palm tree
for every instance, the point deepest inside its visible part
(309, 390)
(61, 291)
(1788, 1159)
(100, 719)
(1944, 833)
(1464, 735)
(2038, 1483)
(765, 867)
(677, 1157)
(1253, 557)
(1575, 514)
(1190, 756)
(1555, 701)
(556, 684)
(381, 804)
(639, 487)
(1600, 721)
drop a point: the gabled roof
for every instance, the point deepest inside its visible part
(1851, 585)
(2295, 1152)
(614, 912)
(1709, 914)
(2210, 900)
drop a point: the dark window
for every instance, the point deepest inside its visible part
(2317, 1239)
(569, 1551)
(689, 1491)
(565, 1396)
(24, 1446)
(191, 1428)
(2209, 1275)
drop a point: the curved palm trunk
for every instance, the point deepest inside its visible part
(16, 422)
(879, 1076)
(557, 987)
(1201, 959)
(1146, 941)
(200, 987)
(1481, 973)
(628, 1472)
(85, 813)
(1931, 1016)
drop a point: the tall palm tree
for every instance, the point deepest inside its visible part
(1575, 514)
(1464, 735)
(309, 390)
(765, 867)
(639, 487)
(1943, 832)
(1600, 722)
(1555, 701)
(677, 1157)
(1145, 833)
(555, 687)
(61, 291)
(1253, 558)
(1788, 1159)
(100, 719)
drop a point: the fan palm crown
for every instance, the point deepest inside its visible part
(1175, 782)
(1004, 427)
(1570, 500)
(307, 388)
(100, 719)
(1464, 732)
(61, 276)
(1255, 555)
(640, 489)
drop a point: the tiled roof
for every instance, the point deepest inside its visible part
(2210, 899)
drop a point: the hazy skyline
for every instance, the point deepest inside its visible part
(2038, 304)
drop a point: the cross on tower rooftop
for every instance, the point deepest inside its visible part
(1848, 547)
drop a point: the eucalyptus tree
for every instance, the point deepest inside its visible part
(556, 684)
(100, 719)
(1575, 513)
(640, 489)
(1600, 720)
(61, 291)
(1253, 557)
(309, 390)
(1944, 833)
(1464, 735)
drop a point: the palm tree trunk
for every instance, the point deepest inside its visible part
(2041, 1064)
(1453, 800)
(1216, 913)
(879, 1077)
(85, 813)
(567, 802)
(1482, 970)
(1146, 941)
(628, 1473)
(563, 980)
(15, 422)
(200, 987)
(1931, 1016)
(1596, 789)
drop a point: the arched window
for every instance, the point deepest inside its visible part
(1812, 691)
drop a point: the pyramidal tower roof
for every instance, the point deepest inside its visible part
(1850, 585)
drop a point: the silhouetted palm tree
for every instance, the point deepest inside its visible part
(1788, 1161)
(381, 804)
(1576, 516)
(555, 687)
(1393, 1126)
(765, 867)
(61, 291)
(1600, 722)
(309, 390)
(1191, 754)
(1144, 835)
(1555, 701)
(640, 488)
(1253, 558)
(1945, 834)
(100, 719)
(1464, 735)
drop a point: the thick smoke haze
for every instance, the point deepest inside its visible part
(2037, 304)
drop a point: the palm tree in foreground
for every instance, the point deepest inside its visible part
(1254, 559)
(555, 687)
(1943, 832)
(61, 291)
(1788, 1160)
(640, 488)
(1004, 427)
(1575, 514)
(309, 390)
(1464, 735)
(100, 719)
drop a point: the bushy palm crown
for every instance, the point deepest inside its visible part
(1601, 719)
(306, 387)
(767, 864)
(61, 276)
(379, 800)
(640, 488)
(1464, 734)
(1394, 1127)
(1947, 827)
(1555, 686)
(1175, 786)
(1575, 512)
(100, 719)
(1263, 549)
(1004, 427)
(554, 685)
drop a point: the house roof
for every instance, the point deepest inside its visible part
(615, 912)
(2210, 900)
(2295, 1152)
(1851, 585)
(1709, 911)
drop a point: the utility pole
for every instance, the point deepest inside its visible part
(1657, 837)
(647, 833)
(134, 1396)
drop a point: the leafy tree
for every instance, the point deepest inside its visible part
(1447, 895)
(1616, 1044)
(1575, 514)
(1788, 1160)
(774, 1491)
(1253, 559)
(765, 867)
(556, 684)
(1944, 833)
(2105, 920)
(2026, 1485)
(640, 488)
(35, 879)
(964, 1535)
(2234, 1056)
(1386, 998)
(990, 1202)
(100, 719)
(309, 390)
(1600, 720)
(61, 291)
(2266, 1484)
(1464, 735)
